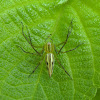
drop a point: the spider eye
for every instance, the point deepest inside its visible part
(47, 63)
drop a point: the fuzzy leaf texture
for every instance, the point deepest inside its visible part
(45, 17)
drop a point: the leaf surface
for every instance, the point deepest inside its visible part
(45, 17)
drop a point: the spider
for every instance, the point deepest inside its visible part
(49, 51)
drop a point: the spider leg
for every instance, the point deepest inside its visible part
(36, 66)
(63, 68)
(72, 49)
(69, 32)
(29, 41)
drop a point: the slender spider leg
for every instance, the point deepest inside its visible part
(42, 50)
(48, 37)
(63, 67)
(29, 38)
(23, 32)
(55, 49)
(29, 35)
(25, 51)
(72, 49)
(60, 43)
(36, 67)
(69, 31)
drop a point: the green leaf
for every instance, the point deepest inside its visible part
(45, 17)
(97, 97)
